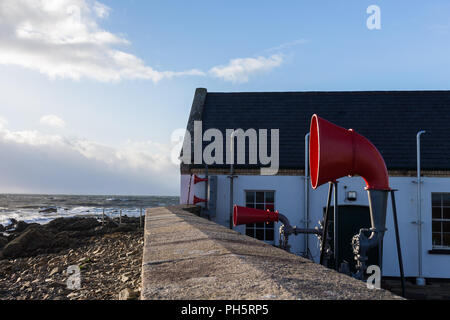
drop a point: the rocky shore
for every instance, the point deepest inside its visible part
(35, 260)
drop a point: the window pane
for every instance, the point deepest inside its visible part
(436, 212)
(262, 200)
(446, 199)
(269, 235)
(260, 197)
(436, 239)
(436, 199)
(446, 213)
(250, 205)
(436, 226)
(270, 197)
(250, 197)
(446, 226)
(446, 239)
(260, 234)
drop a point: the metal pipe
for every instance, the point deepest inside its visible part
(289, 229)
(231, 177)
(336, 226)
(397, 238)
(306, 193)
(325, 223)
(284, 220)
(296, 231)
(286, 230)
(369, 238)
(189, 190)
(206, 187)
(420, 281)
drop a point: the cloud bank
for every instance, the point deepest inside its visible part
(63, 39)
(33, 162)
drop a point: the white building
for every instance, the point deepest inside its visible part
(390, 120)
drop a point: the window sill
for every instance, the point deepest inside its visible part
(439, 251)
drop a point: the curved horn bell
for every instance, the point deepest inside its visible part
(335, 152)
(197, 200)
(197, 179)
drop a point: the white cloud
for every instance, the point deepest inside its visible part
(52, 121)
(36, 162)
(62, 39)
(31, 138)
(239, 70)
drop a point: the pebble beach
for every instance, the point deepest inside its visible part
(35, 260)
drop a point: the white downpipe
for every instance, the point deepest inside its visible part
(232, 176)
(306, 194)
(419, 280)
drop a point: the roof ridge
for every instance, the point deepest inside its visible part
(338, 92)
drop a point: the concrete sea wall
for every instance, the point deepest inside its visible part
(188, 257)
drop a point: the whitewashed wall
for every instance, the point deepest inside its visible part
(289, 200)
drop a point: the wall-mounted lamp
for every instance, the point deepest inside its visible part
(351, 195)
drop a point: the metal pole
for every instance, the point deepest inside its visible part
(140, 218)
(420, 281)
(306, 197)
(232, 176)
(103, 216)
(397, 238)
(325, 224)
(206, 187)
(120, 217)
(189, 190)
(231, 198)
(336, 225)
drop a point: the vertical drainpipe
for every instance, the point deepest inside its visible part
(232, 176)
(206, 189)
(420, 281)
(306, 195)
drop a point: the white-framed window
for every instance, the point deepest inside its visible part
(264, 200)
(440, 207)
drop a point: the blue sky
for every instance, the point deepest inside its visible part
(113, 122)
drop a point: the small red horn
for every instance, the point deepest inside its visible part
(197, 200)
(197, 179)
(244, 215)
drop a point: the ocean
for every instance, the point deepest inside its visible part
(44, 208)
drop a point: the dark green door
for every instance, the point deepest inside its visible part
(351, 219)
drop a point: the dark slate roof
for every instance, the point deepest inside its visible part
(390, 119)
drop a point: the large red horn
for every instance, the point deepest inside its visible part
(197, 179)
(244, 215)
(335, 152)
(197, 200)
